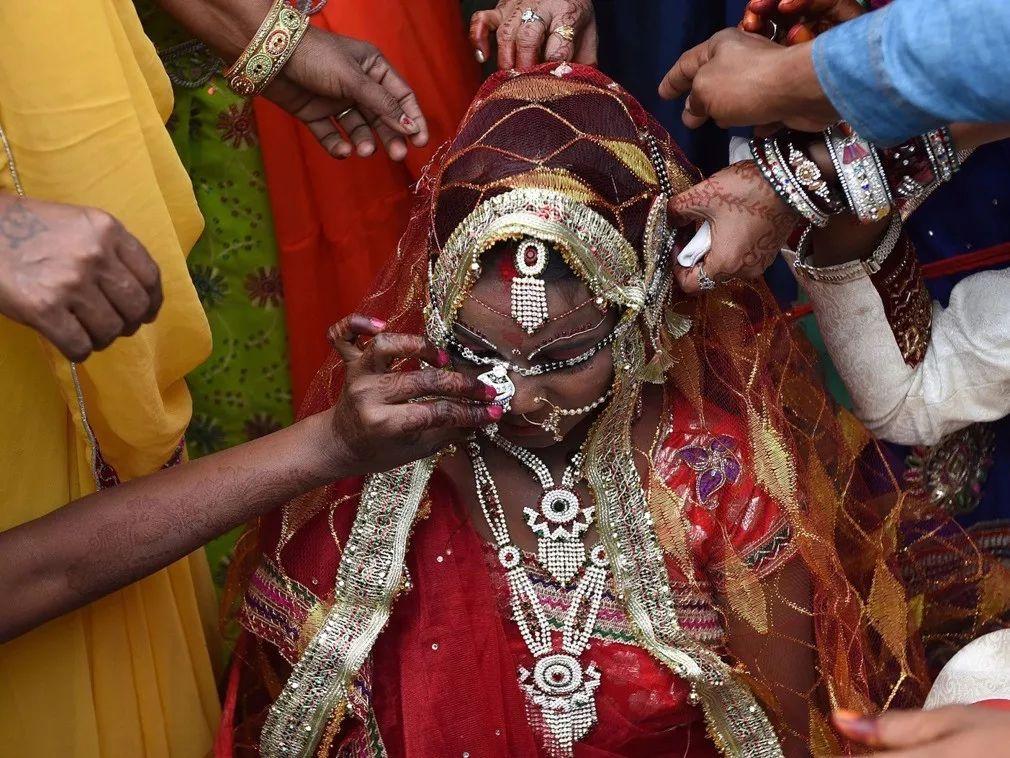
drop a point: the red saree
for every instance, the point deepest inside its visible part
(443, 675)
(764, 553)
(337, 222)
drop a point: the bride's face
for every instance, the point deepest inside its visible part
(576, 325)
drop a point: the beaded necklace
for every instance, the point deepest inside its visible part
(559, 685)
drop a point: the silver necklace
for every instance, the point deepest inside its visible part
(559, 685)
(559, 520)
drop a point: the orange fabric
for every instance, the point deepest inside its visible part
(338, 221)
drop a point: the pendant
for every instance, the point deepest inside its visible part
(565, 693)
(559, 523)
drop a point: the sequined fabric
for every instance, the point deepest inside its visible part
(810, 565)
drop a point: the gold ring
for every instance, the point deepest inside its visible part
(565, 32)
(344, 112)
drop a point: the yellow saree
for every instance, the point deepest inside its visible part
(83, 101)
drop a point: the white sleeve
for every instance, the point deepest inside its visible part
(963, 378)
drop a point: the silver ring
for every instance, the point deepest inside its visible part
(530, 16)
(705, 282)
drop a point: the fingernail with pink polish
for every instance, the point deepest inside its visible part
(378, 323)
(443, 359)
(490, 392)
(408, 123)
(855, 725)
(495, 412)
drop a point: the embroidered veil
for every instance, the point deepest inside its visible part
(566, 155)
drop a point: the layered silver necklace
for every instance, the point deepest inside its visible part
(559, 685)
(560, 519)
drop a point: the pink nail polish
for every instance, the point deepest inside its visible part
(407, 122)
(378, 323)
(490, 392)
(443, 358)
(495, 412)
(856, 725)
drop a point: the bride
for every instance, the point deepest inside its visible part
(668, 541)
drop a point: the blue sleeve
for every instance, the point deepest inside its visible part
(918, 64)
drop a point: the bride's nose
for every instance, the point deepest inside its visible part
(526, 400)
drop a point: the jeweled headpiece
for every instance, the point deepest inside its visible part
(559, 159)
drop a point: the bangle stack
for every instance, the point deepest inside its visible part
(271, 47)
(917, 167)
(860, 173)
(873, 182)
(796, 179)
(942, 154)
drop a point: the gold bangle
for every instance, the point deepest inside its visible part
(271, 47)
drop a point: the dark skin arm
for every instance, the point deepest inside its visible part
(785, 657)
(107, 540)
(327, 74)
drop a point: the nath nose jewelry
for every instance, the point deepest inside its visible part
(553, 421)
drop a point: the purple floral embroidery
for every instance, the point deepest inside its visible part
(715, 463)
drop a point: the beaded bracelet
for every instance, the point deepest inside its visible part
(271, 47)
(859, 172)
(851, 270)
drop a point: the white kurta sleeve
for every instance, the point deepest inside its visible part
(964, 374)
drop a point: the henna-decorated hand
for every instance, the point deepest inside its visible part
(523, 45)
(386, 419)
(74, 274)
(804, 19)
(950, 732)
(750, 224)
(737, 78)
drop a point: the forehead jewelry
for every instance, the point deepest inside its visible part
(529, 295)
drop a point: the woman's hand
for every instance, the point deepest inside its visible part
(329, 75)
(74, 274)
(750, 223)
(386, 419)
(804, 18)
(565, 31)
(953, 732)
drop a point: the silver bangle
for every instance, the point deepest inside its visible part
(860, 173)
(776, 172)
(851, 270)
(943, 157)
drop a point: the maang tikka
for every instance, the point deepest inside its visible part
(529, 295)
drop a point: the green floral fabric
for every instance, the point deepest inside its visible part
(243, 390)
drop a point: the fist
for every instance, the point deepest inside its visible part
(74, 274)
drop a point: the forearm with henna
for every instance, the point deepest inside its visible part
(769, 219)
(105, 541)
